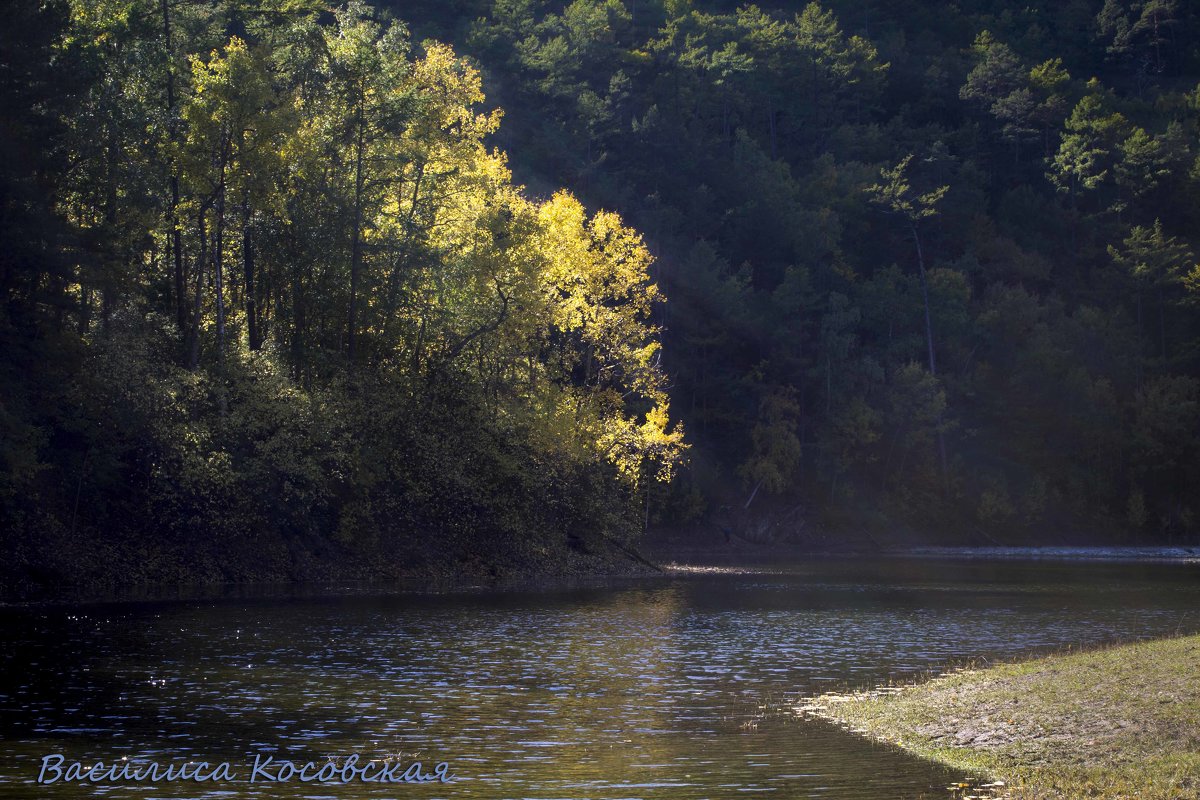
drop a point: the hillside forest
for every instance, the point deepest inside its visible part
(294, 290)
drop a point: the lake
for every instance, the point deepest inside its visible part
(680, 686)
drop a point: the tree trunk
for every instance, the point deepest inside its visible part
(173, 206)
(219, 275)
(356, 243)
(194, 345)
(771, 121)
(1141, 340)
(248, 268)
(1162, 326)
(925, 300)
(401, 258)
(113, 152)
(299, 322)
(929, 345)
(85, 308)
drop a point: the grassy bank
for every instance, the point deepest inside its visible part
(1122, 722)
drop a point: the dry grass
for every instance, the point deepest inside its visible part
(1122, 722)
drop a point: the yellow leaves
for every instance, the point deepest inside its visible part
(100, 23)
(634, 449)
(230, 74)
(234, 118)
(657, 420)
(545, 309)
(664, 444)
(600, 296)
(442, 73)
(597, 272)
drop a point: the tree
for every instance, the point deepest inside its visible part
(1089, 150)
(231, 156)
(600, 297)
(1000, 84)
(915, 412)
(1142, 164)
(1164, 434)
(1050, 81)
(1139, 31)
(777, 449)
(369, 101)
(1155, 262)
(109, 187)
(897, 197)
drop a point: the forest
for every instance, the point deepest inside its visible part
(299, 290)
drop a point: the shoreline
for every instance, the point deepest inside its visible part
(582, 571)
(255, 591)
(1116, 722)
(722, 555)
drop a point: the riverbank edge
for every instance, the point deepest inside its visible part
(1117, 722)
(561, 568)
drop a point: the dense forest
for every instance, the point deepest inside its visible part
(930, 265)
(275, 305)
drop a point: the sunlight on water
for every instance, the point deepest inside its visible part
(679, 687)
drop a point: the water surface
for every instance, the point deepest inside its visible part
(674, 687)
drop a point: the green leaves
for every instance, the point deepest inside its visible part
(776, 443)
(896, 195)
(1152, 258)
(1089, 149)
(344, 217)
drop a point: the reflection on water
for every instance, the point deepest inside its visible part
(678, 687)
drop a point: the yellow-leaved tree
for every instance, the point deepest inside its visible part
(599, 298)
